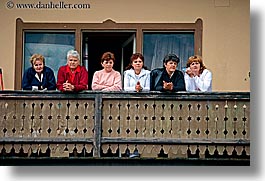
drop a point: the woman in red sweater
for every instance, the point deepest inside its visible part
(72, 77)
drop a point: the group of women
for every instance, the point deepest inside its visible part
(137, 77)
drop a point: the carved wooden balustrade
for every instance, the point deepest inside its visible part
(100, 125)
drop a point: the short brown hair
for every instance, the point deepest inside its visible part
(36, 57)
(107, 56)
(134, 57)
(196, 58)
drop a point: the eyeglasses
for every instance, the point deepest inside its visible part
(139, 61)
(72, 60)
(107, 62)
(195, 63)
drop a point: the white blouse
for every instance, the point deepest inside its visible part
(199, 83)
(130, 80)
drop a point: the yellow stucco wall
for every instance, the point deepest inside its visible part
(226, 30)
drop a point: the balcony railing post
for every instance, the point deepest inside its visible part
(97, 127)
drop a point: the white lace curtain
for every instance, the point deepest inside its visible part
(156, 46)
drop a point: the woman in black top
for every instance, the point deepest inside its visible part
(168, 78)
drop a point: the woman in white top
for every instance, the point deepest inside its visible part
(136, 75)
(197, 76)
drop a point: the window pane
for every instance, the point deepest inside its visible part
(157, 45)
(53, 46)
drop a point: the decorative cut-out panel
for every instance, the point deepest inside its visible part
(175, 119)
(46, 118)
(176, 151)
(113, 125)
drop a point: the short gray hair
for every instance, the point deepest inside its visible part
(73, 53)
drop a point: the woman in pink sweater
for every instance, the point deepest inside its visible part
(107, 79)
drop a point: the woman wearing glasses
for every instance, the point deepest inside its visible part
(197, 77)
(167, 78)
(136, 75)
(107, 79)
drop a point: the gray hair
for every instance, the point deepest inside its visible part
(73, 53)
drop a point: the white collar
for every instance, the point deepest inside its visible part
(39, 78)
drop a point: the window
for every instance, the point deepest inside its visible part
(53, 46)
(154, 40)
(157, 45)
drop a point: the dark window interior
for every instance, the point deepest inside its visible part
(100, 42)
